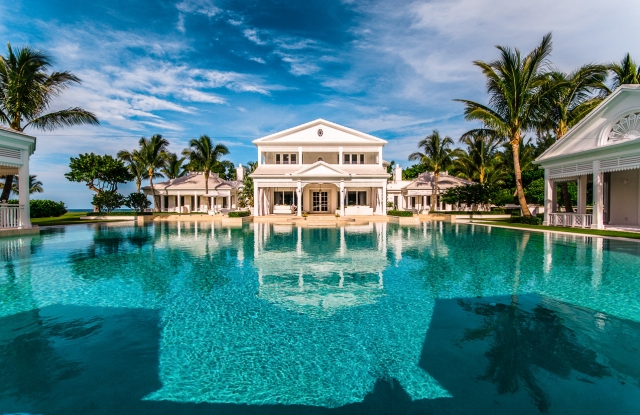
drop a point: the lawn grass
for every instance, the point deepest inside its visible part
(591, 232)
(69, 218)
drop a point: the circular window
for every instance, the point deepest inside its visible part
(320, 132)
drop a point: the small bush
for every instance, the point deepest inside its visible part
(44, 208)
(239, 214)
(138, 202)
(403, 213)
(108, 200)
(533, 220)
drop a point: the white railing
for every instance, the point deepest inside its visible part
(10, 216)
(573, 220)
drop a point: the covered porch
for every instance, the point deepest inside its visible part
(15, 149)
(319, 198)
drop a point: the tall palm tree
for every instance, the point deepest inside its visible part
(136, 165)
(153, 153)
(35, 185)
(513, 84)
(437, 156)
(624, 72)
(27, 91)
(204, 156)
(174, 167)
(567, 99)
(478, 162)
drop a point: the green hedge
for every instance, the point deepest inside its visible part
(403, 213)
(42, 208)
(468, 212)
(132, 213)
(239, 214)
(533, 220)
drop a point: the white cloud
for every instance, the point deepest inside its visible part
(256, 59)
(180, 24)
(299, 65)
(204, 7)
(252, 35)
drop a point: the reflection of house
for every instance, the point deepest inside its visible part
(15, 149)
(416, 194)
(188, 193)
(320, 167)
(602, 150)
(303, 282)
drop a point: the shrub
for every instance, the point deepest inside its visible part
(45, 208)
(128, 213)
(108, 200)
(239, 214)
(404, 213)
(138, 202)
(533, 220)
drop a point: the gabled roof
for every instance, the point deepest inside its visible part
(320, 169)
(195, 181)
(309, 133)
(427, 180)
(590, 134)
(17, 139)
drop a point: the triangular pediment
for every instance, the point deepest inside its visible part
(320, 169)
(320, 132)
(614, 122)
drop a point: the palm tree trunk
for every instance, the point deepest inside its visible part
(434, 199)
(515, 146)
(6, 191)
(566, 197)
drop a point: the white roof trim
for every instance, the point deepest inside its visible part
(317, 164)
(272, 137)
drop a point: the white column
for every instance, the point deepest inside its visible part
(23, 189)
(259, 156)
(341, 192)
(598, 204)
(299, 155)
(548, 197)
(229, 202)
(179, 203)
(195, 206)
(162, 203)
(380, 156)
(340, 156)
(299, 198)
(384, 193)
(256, 200)
(582, 194)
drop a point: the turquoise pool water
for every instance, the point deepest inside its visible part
(190, 318)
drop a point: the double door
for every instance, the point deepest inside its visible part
(320, 202)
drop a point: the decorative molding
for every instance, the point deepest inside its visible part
(626, 128)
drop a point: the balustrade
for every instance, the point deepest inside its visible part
(572, 220)
(11, 216)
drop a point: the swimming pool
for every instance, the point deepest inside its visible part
(194, 318)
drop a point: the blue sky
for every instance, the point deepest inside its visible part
(238, 70)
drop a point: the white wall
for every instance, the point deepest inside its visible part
(623, 202)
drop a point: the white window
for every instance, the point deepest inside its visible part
(286, 158)
(352, 158)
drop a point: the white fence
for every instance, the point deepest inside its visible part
(10, 216)
(574, 220)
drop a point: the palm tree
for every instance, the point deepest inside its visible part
(174, 167)
(153, 155)
(204, 156)
(567, 99)
(513, 84)
(478, 162)
(35, 185)
(26, 93)
(624, 72)
(437, 156)
(136, 165)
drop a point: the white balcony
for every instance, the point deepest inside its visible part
(572, 220)
(11, 216)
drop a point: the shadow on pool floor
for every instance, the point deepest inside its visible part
(500, 355)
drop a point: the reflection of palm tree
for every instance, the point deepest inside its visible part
(523, 341)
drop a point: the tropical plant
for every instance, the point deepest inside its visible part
(174, 168)
(108, 200)
(478, 162)
(99, 173)
(135, 164)
(624, 72)
(414, 171)
(245, 198)
(27, 92)
(204, 156)
(42, 208)
(154, 155)
(436, 155)
(568, 98)
(514, 86)
(138, 202)
(35, 185)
